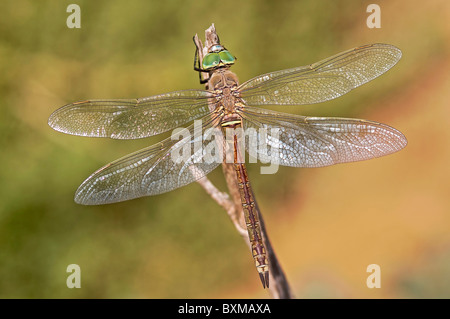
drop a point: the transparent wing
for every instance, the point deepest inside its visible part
(131, 119)
(292, 140)
(321, 81)
(157, 169)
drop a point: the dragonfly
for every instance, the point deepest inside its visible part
(206, 117)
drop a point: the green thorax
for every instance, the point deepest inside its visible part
(218, 56)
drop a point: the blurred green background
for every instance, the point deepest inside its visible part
(327, 225)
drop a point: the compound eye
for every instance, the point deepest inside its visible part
(226, 57)
(211, 60)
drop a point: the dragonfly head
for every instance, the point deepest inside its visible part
(217, 57)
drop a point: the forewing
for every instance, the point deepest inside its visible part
(157, 169)
(131, 119)
(321, 81)
(299, 141)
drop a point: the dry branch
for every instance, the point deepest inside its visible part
(279, 287)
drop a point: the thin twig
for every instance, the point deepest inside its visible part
(279, 286)
(224, 200)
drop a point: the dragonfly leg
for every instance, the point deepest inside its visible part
(197, 66)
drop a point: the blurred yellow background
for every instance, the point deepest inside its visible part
(326, 224)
